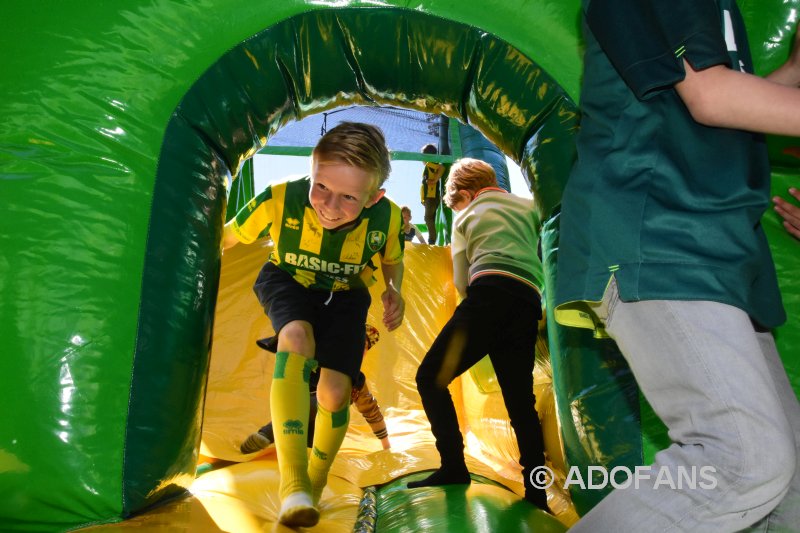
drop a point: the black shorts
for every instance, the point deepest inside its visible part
(337, 318)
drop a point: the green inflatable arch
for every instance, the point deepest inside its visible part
(121, 127)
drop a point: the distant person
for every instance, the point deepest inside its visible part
(430, 191)
(327, 229)
(789, 212)
(363, 399)
(410, 230)
(498, 274)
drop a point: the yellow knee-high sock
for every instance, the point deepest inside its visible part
(289, 404)
(329, 431)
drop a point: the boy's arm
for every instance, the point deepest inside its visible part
(725, 98)
(229, 238)
(393, 304)
(721, 97)
(254, 218)
(789, 73)
(461, 272)
(458, 249)
(368, 406)
(433, 173)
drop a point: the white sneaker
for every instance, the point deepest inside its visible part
(297, 510)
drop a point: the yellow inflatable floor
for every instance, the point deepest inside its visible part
(238, 493)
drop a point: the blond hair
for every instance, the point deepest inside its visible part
(356, 144)
(468, 174)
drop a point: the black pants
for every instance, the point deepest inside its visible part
(498, 317)
(431, 205)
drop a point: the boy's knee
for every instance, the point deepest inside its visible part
(333, 391)
(298, 336)
(334, 398)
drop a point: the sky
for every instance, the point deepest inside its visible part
(402, 186)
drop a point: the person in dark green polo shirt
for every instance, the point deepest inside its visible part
(662, 248)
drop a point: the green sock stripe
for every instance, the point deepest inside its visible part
(309, 367)
(281, 359)
(340, 418)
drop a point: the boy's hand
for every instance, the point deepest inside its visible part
(789, 212)
(794, 56)
(789, 72)
(393, 308)
(228, 236)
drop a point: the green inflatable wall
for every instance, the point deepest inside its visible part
(122, 124)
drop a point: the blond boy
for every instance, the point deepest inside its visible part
(314, 288)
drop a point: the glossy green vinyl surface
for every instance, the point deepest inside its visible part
(481, 506)
(122, 123)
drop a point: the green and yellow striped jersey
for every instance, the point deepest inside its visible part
(330, 260)
(431, 171)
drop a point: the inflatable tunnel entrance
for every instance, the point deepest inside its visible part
(122, 128)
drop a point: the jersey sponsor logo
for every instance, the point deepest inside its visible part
(376, 240)
(292, 223)
(320, 265)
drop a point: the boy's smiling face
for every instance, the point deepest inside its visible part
(340, 191)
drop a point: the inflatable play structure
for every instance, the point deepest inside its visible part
(128, 354)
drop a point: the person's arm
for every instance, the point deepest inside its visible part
(253, 218)
(789, 212)
(434, 173)
(461, 272)
(722, 97)
(393, 304)
(458, 250)
(368, 406)
(725, 98)
(789, 73)
(229, 238)
(418, 234)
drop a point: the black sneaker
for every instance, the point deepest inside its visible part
(269, 344)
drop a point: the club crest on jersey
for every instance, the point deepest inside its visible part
(376, 240)
(292, 223)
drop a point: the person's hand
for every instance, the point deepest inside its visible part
(393, 308)
(789, 212)
(789, 72)
(794, 55)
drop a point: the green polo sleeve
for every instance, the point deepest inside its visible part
(647, 40)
